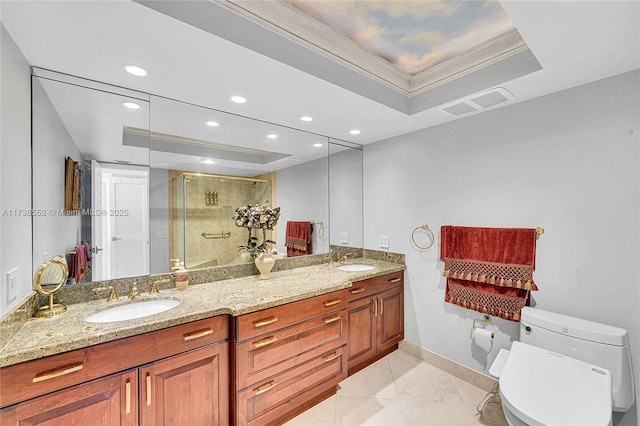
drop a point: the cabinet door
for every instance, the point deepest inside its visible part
(187, 389)
(390, 318)
(109, 401)
(361, 322)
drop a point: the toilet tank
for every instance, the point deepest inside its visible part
(599, 344)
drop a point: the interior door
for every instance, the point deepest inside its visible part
(97, 227)
(129, 225)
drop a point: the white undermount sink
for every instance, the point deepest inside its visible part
(133, 310)
(355, 268)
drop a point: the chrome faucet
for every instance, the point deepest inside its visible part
(133, 293)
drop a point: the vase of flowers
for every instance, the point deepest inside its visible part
(258, 217)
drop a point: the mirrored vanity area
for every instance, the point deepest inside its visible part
(127, 183)
(160, 179)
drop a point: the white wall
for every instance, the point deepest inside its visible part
(302, 193)
(568, 162)
(159, 220)
(15, 169)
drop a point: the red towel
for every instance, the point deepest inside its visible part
(489, 270)
(81, 262)
(298, 238)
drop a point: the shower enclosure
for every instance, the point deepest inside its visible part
(202, 231)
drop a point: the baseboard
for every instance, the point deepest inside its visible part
(458, 370)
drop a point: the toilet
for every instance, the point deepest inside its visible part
(566, 371)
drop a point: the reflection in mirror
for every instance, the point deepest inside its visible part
(345, 194)
(85, 155)
(206, 163)
(176, 200)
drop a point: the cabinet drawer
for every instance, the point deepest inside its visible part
(268, 320)
(271, 399)
(371, 286)
(29, 379)
(272, 353)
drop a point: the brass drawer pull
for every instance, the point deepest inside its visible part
(381, 306)
(395, 280)
(375, 307)
(332, 319)
(263, 322)
(266, 388)
(357, 290)
(198, 334)
(332, 357)
(51, 374)
(332, 302)
(127, 397)
(148, 389)
(265, 342)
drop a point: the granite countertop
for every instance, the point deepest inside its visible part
(38, 338)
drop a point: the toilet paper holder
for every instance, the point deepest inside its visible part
(483, 322)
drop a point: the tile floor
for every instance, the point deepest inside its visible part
(398, 390)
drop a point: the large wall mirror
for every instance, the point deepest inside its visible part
(90, 182)
(162, 181)
(346, 194)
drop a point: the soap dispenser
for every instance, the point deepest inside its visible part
(181, 274)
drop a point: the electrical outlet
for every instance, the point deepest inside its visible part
(344, 238)
(12, 285)
(162, 235)
(383, 241)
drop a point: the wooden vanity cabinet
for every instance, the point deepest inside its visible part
(175, 376)
(187, 389)
(288, 358)
(109, 401)
(375, 318)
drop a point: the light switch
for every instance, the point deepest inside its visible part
(383, 241)
(344, 238)
(161, 235)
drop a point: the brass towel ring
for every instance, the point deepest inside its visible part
(426, 228)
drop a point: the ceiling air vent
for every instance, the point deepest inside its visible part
(477, 102)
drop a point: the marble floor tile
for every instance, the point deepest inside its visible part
(439, 414)
(374, 381)
(353, 410)
(398, 390)
(323, 414)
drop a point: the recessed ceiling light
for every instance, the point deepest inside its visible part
(318, 145)
(306, 118)
(355, 132)
(213, 123)
(134, 70)
(238, 99)
(272, 136)
(131, 105)
(208, 161)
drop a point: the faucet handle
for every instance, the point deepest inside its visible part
(112, 292)
(154, 286)
(133, 293)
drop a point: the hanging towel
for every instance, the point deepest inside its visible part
(489, 270)
(81, 259)
(298, 238)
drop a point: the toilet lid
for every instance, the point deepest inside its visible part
(545, 388)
